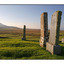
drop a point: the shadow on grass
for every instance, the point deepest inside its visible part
(33, 40)
(16, 54)
(60, 41)
(62, 51)
(3, 37)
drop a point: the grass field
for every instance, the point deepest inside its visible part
(13, 47)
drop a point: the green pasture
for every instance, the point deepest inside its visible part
(13, 47)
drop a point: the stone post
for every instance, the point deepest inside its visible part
(44, 29)
(24, 33)
(62, 40)
(52, 46)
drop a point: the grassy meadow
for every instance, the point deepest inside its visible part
(13, 47)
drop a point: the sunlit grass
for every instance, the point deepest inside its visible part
(14, 47)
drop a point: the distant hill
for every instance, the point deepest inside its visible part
(2, 26)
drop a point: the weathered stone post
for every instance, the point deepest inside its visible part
(52, 46)
(62, 40)
(24, 33)
(44, 29)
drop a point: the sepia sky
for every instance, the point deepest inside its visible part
(29, 15)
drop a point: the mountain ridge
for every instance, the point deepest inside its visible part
(2, 26)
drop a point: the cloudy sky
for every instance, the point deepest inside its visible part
(29, 15)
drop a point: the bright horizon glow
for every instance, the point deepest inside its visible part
(29, 15)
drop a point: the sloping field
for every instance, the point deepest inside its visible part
(13, 47)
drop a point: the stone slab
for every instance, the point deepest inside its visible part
(62, 40)
(42, 44)
(44, 29)
(53, 49)
(55, 28)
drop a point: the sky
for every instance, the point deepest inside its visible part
(29, 15)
